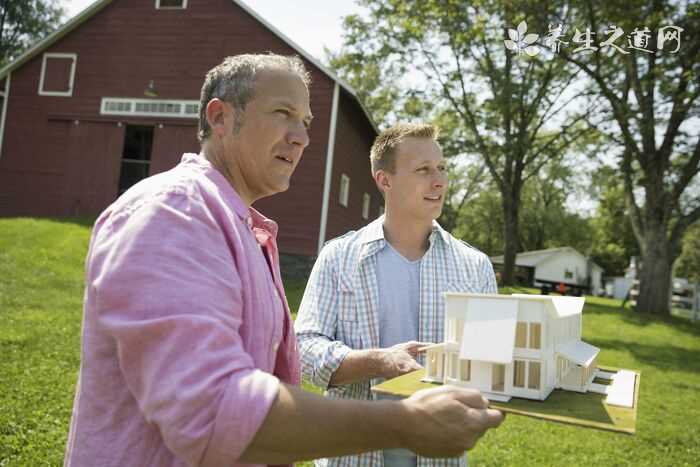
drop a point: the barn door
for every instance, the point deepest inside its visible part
(136, 156)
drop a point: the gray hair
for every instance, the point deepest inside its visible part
(233, 81)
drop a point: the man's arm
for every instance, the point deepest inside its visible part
(440, 422)
(327, 361)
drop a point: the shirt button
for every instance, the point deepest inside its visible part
(249, 221)
(275, 346)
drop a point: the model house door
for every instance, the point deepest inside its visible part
(498, 377)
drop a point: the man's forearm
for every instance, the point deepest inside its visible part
(301, 425)
(357, 366)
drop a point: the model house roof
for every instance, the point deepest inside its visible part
(489, 331)
(559, 307)
(578, 352)
(98, 5)
(537, 257)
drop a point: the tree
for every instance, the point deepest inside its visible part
(23, 23)
(652, 114)
(509, 107)
(688, 264)
(614, 242)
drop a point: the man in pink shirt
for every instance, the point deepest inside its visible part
(188, 351)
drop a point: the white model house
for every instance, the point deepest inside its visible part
(513, 345)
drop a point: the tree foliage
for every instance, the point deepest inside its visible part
(25, 22)
(446, 60)
(651, 114)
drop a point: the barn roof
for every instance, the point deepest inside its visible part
(98, 5)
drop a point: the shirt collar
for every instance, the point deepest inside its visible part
(247, 214)
(375, 232)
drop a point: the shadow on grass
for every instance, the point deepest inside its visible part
(663, 357)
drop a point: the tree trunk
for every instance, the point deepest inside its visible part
(510, 237)
(655, 274)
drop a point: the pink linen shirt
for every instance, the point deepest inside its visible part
(186, 328)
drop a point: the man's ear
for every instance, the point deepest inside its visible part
(217, 111)
(382, 180)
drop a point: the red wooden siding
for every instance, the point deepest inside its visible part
(353, 140)
(50, 165)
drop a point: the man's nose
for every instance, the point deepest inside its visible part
(298, 136)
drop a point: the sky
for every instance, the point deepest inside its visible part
(312, 24)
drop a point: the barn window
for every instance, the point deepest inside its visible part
(171, 4)
(136, 157)
(344, 190)
(365, 206)
(57, 74)
(149, 107)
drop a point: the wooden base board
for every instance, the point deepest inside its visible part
(585, 410)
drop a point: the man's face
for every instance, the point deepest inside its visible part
(264, 153)
(417, 187)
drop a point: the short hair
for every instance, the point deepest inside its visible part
(233, 81)
(382, 156)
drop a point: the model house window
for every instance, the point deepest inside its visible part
(171, 4)
(535, 336)
(521, 335)
(533, 375)
(519, 374)
(454, 365)
(432, 358)
(344, 190)
(365, 206)
(465, 370)
(57, 74)
(498, 377)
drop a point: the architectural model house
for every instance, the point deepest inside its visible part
(515, 346)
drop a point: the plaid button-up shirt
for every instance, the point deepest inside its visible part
(339, 310)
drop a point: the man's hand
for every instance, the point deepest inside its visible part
(399, 359)
(446, 421)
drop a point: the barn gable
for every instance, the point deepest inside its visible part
(114, 92)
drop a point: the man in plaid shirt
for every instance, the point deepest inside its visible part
(375, 296)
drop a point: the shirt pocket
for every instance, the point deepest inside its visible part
(348, 331)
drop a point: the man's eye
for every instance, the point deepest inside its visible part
(283, 111)
(422, 169)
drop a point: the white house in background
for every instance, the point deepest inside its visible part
(513, 346)
(555, 265)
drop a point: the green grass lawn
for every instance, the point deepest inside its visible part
(41, 274)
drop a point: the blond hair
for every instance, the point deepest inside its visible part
(382, 156)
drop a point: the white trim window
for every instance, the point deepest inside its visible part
(365, 206)
(344, 190)
(65, 91)
(149, 107)
(171, 4)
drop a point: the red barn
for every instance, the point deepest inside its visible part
(113, 96)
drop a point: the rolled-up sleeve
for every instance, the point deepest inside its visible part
(317, 321)
(489, 284)
(167, 291)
